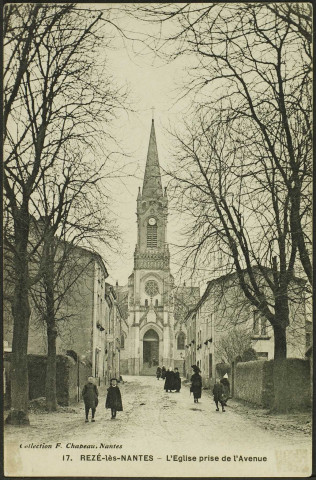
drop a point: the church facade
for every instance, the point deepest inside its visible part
(154, 334)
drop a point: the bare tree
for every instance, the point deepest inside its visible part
(58, 103)
(254, 60)
(238, 205)
(244, 159)
(84, 217)
(233, 344)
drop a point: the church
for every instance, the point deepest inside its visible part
(153, 333)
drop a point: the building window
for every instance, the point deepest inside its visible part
(259, 325)
(156, 303)
(122, 341)
(146, 303)
(152, 236)
(262, 355)
(181, 341)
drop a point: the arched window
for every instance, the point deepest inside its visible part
(146, 303)
(181, 341)
(152, 236)
(156, 302)
(122, 341)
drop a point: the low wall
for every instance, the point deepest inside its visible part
(66, 378)
(292, 384)
(65, 382)
(253, 382)
(282, 385)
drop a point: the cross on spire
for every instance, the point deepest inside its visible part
(152, 112)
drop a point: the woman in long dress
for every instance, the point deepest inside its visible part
(177, 380)
(196, 384)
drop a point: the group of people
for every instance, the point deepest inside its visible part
(172, 378)
(90, 394)
(90, 397)
(221, 389)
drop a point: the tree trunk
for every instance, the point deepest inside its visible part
(51, 395)
(279, 341)
(21, 316)
(281, 313)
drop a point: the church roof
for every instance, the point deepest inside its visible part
(152, 180)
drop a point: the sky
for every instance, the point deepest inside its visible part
(152, 83)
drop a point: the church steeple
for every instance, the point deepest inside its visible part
(151, 252)
(152, 187)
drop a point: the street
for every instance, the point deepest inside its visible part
(164, 425)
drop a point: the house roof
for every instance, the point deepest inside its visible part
(230, 276)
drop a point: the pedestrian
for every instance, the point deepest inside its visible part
(226, 388)
(163, 372)
(177, 380)
(114, 399)
(90, 397)
(218, 395)
(169, 381)
(158, 373)
(196, 384)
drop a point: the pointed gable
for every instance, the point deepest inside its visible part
(152, 180)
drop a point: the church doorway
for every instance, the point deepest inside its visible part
(150, 351)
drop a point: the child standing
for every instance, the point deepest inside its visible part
(218, 395)
(113, 398)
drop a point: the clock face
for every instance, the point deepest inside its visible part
(152, 221)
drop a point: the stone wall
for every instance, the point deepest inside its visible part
(253, 382)
(292, 384)
(66, 378)
(282, 385)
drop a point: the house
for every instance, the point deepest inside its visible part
(223, 313)
(87, 315)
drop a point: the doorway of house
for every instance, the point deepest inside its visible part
(150, 352)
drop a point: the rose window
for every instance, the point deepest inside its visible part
(151, 288)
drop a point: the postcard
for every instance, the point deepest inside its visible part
(157, 240)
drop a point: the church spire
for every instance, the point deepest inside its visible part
(152, 180)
